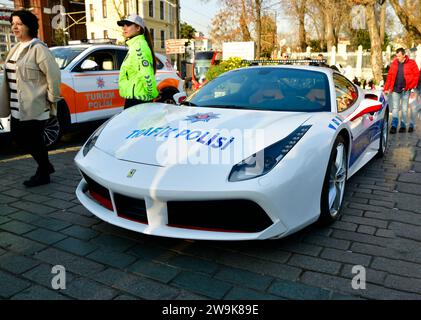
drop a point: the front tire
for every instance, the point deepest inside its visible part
(384, 135)
(334, 183)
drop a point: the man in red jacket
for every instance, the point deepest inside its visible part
(403, 76)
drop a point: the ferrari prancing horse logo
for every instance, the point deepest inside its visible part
(131, 173)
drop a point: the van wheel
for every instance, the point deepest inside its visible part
(52, 132)
(56, 126)
(166, 95)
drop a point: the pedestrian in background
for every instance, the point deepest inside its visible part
(402, 77)
(137, 82)
(30, 91)
(322, 61)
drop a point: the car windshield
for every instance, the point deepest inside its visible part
(65, 55)
(202, 63)
(200, 69)
(266, 88)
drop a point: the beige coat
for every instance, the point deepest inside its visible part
(38, 82)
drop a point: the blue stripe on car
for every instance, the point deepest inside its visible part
(336, 121)
(364, 140)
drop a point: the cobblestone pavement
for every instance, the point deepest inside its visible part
(380, 230)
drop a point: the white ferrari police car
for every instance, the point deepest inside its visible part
(257, 153)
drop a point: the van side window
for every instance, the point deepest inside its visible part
(106, 60)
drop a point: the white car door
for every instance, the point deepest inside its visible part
(364, 128)
(96, 90)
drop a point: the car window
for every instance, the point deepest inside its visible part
(64, 55)
(267, 88)
(346, 93)
(106, 60)
(229, 87)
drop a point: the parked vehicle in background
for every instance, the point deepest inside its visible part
(89, 83)
(202, 62)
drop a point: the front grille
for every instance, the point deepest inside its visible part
(98, 192)
(222, 216)
(131, 208)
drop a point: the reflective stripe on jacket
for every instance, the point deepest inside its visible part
(137, 78)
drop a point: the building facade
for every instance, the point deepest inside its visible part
(7, 39)
(47, 10)
(159, 16)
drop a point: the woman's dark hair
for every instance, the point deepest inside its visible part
(28, 19)
(150, 44)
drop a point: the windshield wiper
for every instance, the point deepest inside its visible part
(188, 103)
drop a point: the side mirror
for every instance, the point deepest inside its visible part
(367, 106)
(89, 65)
(179, 97)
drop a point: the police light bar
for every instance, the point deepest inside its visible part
(312, 62)
(92, 41)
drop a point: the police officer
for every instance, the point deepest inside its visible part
(137, 82)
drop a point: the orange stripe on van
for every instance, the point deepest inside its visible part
(68, 94)
(168, 83)
(91, 100)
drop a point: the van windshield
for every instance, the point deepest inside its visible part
(64, 55)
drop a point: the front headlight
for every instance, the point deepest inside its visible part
(90, 143)
(265, 160)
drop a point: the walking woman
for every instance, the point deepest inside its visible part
(29, 93)
(137, 82)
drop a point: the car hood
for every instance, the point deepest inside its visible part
(163, 134)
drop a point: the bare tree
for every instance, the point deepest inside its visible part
(382, 26)
(269, 37)
(317, 21)
(244, 22)
(373, 30)
(297, 9)
(326, 7)
(233, 22)
(409, 15)
(258, 22)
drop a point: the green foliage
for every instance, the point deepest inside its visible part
(186, 31)
(224, 66)
(387, 41)
(362, 37)
(316, 46)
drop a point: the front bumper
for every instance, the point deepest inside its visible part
(162, 197)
